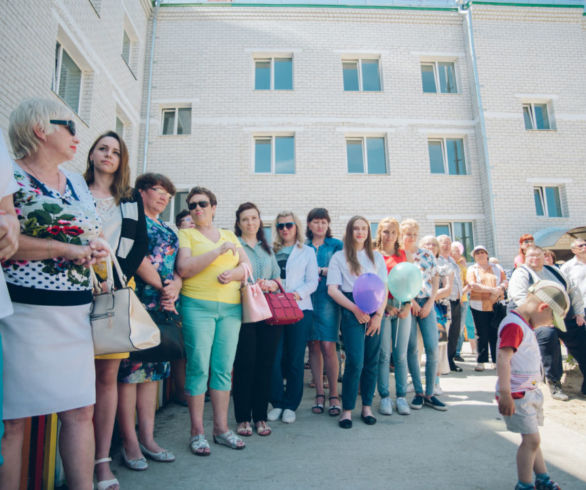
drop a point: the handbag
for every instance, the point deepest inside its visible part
(120, 322)
(171, 347)
(254, 304)
(284, 308)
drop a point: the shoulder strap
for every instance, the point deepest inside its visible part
(557, 274)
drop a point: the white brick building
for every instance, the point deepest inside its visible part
(247, 84)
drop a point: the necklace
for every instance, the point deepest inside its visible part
(30, 170)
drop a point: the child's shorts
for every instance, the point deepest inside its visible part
(528, 416)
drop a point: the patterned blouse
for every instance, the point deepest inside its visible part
(46, 213)
(427, 264)
(162, 250)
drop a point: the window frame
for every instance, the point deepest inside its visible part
(542, 191)
(358, 60)
(273, 137)
(175, 109)
(271, 59)
(436, 77)
(445, 161)
(363, 139)
(533, 120)
(171, 206)
(56, 82)
(450, 224)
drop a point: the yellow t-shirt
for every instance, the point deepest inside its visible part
(205, 285)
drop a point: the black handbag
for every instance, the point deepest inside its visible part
(171, 347)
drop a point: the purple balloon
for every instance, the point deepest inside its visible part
(369, 292)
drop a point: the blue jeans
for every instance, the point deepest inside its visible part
(401, 332)
(384, 357)
(361, 362)
(289, 364)
(428, 326)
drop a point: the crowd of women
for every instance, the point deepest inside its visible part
(68, 224)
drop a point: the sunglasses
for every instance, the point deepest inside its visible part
(202, 204)
(581, 245)
(70, 125)
(528, 241)
(161, 192)
(282, 226)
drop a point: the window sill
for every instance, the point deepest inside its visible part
(176, 135)
(552, 130)
(441, 93)
(271, 90)
(129, 67)
(78, 117)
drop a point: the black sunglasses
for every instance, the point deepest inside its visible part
(281, 226)
(70, 125)
(202, 204)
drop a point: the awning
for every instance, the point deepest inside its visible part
(558, 238)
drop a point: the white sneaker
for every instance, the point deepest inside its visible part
(437, 389)
(288, 416)
(479, 367)
(274, 414)
(403, 406)
(386, 406)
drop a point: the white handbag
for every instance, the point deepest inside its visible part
(254, 304)
(120, 323)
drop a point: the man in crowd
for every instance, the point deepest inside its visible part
(548, 336)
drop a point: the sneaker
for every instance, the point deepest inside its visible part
(459, 358)
(479, 367)
(557, 393)
(403, 406)
(288, 416)
(274, 414)
(417, 402)
(434, 403)
(546, 485)
(437, 389)
(386, 406)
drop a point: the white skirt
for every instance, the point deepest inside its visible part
(48, 360)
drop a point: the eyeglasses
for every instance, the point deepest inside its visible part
(161, 192)
(70, 125)
(202, 204)
(528, 241)
(581, 245)
(282, 226)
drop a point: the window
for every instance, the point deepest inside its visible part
(67, 78)
(438, 74)
(366, 155)
(268, 231)
(548, 201)
(126, 48)
(176, 204)
(361, 75)
(274, 155)
(120, 127)
(446, 155)
(536, 116)
(177, 120)
(373, 228)
(460, 231)
(273, 73)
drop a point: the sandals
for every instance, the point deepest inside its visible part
(199, 445)
(334, 409)
(229, 439)
(318, 407)
(262, 429)
(106, 484)
(244, 429)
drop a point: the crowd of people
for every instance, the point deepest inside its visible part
(192, 274)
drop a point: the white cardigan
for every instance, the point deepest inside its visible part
(302, 275)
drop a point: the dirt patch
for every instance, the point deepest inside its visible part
(571, 413)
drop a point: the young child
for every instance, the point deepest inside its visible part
(519, 372)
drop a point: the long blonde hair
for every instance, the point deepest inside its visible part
(350, 251)
(278, 241)
(378, 241)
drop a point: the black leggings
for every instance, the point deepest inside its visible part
(486, 333)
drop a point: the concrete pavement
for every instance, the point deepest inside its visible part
(466, 447)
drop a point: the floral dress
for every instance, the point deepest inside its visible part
(162, 250)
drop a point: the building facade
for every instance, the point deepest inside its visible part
(469, 118)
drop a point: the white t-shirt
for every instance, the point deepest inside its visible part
(7, 186)
(340, 275)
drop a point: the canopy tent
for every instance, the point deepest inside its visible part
(559, 239)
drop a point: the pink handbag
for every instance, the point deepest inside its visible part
(254, 304)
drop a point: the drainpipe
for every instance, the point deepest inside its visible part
(464, 9)
(149, 88)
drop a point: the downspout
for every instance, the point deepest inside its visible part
(149, 88)
(464, 9)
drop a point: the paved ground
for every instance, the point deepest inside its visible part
(464, 448)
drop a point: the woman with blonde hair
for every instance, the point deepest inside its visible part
(360, 330)
(396, 324)
(298, 266)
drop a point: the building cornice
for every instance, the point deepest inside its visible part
(539, 13)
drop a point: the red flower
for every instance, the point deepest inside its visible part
(72, 230)
(54, 230)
